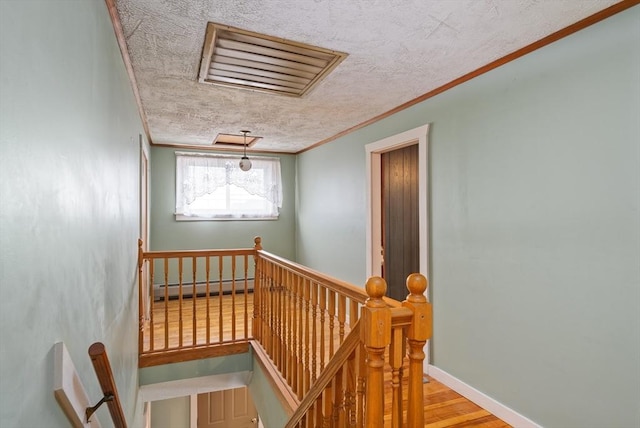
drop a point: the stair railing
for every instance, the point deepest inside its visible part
(350, 391)
(193, 292)
(329, 340)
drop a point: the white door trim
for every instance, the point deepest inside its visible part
(374, 186)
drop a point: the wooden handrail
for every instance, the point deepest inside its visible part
(342, 287)
(101, 365)
(197, 253)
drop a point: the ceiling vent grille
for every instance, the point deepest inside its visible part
(243, 59)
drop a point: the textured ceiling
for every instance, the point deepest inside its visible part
(398, 50)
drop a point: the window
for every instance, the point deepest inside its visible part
(214, 187)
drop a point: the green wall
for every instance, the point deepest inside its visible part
(278, 236)
(534, 228)
(69, 215)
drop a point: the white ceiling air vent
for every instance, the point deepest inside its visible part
(243, 59)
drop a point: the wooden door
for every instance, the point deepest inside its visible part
(232, 408)
(400, 219)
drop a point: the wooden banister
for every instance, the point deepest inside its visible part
(341, 357)
(191, 292)
(328, 339)
(101, 365)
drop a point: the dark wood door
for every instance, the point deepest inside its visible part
(400, 222)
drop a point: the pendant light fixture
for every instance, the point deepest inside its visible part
(245, 163)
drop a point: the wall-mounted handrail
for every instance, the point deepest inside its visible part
(98, 355)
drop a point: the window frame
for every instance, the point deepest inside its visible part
(271, 165)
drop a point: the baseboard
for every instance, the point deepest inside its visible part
(201, 290)
(501, 411)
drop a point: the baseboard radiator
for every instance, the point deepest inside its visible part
(173, 290)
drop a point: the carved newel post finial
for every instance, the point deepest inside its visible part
(258, 243)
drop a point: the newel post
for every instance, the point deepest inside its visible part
(257, 282)
(376, 336)
(418, 333)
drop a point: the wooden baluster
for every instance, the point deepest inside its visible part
(257, 285)
(268, 309)
(332, 317)
(300, 382)
(263, 296)
(395, 360)
(166, 303)
(327, 397)
(180, 302)
(376, 335)
(193, 297)
(350, 391)
(342, 315)
(152, 326)
(271, 310)
(361, 385)
(354, 312)
(220, 292)
(338, 399)
(275, 354)
(307, 300)
(323, 309)
(280, 355)
(265, 304)
(233, 298)
(290, 323)
(294, 336)
(317, 412)
(246, 297)
(208, 297)
(314, 331)
(418, 333)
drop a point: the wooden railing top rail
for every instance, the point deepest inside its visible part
(197, 253)
(357, 294)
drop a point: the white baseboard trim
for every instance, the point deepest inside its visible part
(508, 415)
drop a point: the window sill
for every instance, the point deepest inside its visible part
(181, 217)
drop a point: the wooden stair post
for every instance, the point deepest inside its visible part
(257, 289)
(418, 332)
(376, 336)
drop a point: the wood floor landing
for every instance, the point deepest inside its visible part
(443, 407)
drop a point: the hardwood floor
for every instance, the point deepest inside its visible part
(442, 406)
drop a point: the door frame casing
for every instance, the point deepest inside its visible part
(374, 151)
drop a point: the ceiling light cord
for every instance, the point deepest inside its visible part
(245, 163)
